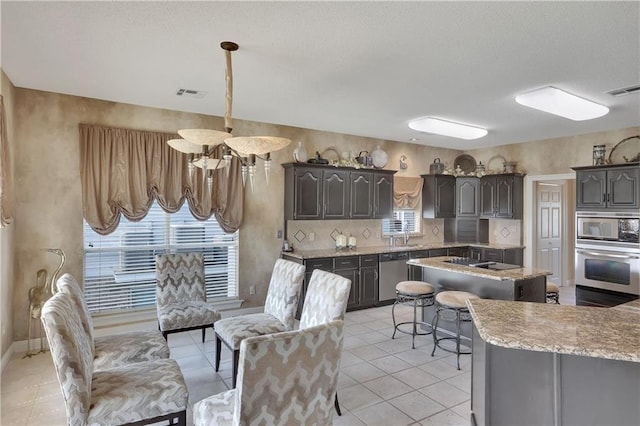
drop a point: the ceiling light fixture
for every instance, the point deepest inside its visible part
(555, 101)
(199, 144)
(447, 128)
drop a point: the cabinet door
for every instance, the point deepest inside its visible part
(382, 196)
(504, 196)
(361, 188)
(467, 196)
(445, 203)
(308, 194)
(438, 196)
(368, 286)
(335, 190)
(475, 253)
(623, 187)
(590, 189)
(513, 256)
(487, 196)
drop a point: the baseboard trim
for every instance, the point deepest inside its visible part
(7, 356)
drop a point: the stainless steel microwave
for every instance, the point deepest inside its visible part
(608, 226)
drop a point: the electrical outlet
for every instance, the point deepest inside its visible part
(279, 233)
(252, 289)
(312, 236)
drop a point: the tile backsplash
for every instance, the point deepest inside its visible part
(321, 234)
(505, 231)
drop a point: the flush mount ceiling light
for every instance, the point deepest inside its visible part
(199, 144)
(555, 101)
(447, 128)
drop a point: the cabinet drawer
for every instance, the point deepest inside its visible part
(437, 252)
(418, 254)
(324, 264)
(368, 260)
(493, 255)
(345, 262)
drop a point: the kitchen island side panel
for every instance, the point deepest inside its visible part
(522, 387)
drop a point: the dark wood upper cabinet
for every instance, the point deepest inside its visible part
(335, 190)
(608, 187)
(467, 196)
(308, 194)
(438, 196)
(501, 196)
(382, 195)
(326, 192)
(361, 187)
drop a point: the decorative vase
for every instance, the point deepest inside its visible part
(300, 154)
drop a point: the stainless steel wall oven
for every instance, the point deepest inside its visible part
(607, 258)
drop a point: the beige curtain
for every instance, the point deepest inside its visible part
(407, 192)
(123, 171)
(6, 178)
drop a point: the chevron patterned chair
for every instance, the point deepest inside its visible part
(279, 312)
(141, 393)
(181, 296)
(284, 378)
(325, 301)
(117, 349)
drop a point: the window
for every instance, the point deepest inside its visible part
(119, 268)
(403, 220)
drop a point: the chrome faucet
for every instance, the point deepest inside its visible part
(406, 234)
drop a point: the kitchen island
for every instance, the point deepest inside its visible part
(517, 283)
(551, 364)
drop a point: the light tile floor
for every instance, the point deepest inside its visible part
(382, 381)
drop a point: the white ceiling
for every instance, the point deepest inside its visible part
(360, 68)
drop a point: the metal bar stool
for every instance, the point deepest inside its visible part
(412, 293)
(553, 293)
(451, 301)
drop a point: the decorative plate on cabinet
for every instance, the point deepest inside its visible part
(466, 162)
(379, 158)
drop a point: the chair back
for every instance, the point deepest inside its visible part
(326, 299)
(180, 278)
(284, 291)
(71, 354)
(289, 377)
(69, 285)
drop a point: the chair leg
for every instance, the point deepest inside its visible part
(434, 326)
(236, 357)
(337, 405)
(218, 351)
(204, 331)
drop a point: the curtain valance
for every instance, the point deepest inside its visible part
(407, 192)
(7, 207)
(122, 171)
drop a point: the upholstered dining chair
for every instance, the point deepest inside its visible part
(279, 312)
(181, 296)
(325, 300)
(141, 393)
(117, 349)
(284, 378)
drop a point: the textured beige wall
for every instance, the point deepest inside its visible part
(7, 233)
(49, 204)
(553, 156)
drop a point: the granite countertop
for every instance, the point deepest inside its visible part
(360, 251)
(609, 333)
(509, 274)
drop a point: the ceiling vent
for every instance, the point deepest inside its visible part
(191, 93)
(625, 91)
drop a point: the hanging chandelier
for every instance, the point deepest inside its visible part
(200, 144)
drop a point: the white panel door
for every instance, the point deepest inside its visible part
(549, 229)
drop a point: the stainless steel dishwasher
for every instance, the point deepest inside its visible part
(393, 269)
